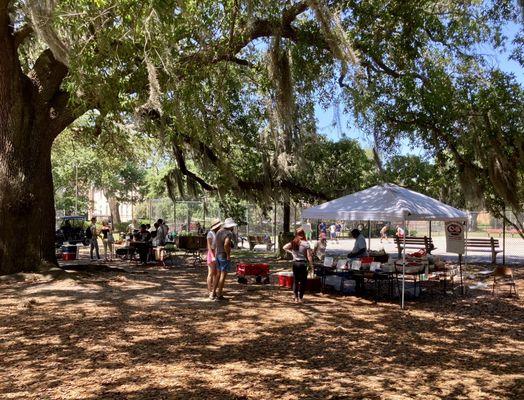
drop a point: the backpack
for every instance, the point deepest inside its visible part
(89, 233)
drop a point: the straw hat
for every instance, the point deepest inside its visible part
(215, 223)
(229, 223)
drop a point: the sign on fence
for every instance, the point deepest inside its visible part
(455, 237)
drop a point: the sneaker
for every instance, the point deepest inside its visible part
(221, 298)
(211, 296)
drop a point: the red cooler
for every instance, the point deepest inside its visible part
(285, 279)
(68, 253)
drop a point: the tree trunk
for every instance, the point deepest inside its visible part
(27, 208)
(114, 209)
(287, 216)
(32, 113)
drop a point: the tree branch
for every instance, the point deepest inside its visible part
(41, 15)
(47, 75)
(22, 34)
(291, 13)
(62, 113)
(227, 49)
(181, 161)
(244, 185)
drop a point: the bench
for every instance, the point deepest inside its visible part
(254, 240)
(494, 231)
(514, 231)
(413, 242)
(498, 232)
(490, 245)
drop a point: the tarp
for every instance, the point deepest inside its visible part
(386, 202)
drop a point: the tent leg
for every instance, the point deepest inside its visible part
(369, 235)
(465, 258)
(504, 237)
(403, 267)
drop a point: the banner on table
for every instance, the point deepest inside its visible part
(455, 237)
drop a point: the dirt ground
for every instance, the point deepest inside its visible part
(149, 333)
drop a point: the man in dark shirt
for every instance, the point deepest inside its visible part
(143, 243)
(224, 243)
(322, 227)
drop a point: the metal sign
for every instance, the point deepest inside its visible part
(455, 237)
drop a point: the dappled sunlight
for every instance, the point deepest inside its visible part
(151, 333)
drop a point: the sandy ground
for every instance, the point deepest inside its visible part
(149, 333)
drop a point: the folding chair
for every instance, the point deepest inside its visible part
(169, 251)
(504, 276)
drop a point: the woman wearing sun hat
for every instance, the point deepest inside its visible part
(211, 256)
(224, 244)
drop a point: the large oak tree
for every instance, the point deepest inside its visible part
(125, 58)
(212, 77)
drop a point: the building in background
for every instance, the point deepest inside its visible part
(99, 206)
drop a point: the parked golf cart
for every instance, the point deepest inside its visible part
(71, 229)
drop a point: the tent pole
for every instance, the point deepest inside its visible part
(504, 236)
(403, 265)
(369, 235)
(465, 259)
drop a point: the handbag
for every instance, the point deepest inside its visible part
(110, 237)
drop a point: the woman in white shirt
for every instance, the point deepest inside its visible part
(211, 256)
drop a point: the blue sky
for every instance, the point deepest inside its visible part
(327, 121)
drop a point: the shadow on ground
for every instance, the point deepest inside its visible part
(150, 333)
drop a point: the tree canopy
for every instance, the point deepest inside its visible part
(229, 88)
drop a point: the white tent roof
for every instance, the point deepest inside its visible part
(386, 202)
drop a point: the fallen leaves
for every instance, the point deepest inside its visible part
(154, 336)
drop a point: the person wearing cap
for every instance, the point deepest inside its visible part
(211, 256)
(224, 244)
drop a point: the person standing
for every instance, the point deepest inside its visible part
(333, 232)
(301, 251)
(384, 233)
(154, 234)
(143, 244)
(132, 227)
(306, 226)
(93, 242)
(211, 257)
(161, 232)
(319, 251)
(224, 244)
(400, 232)
(322, 229)
(338, 230)
(107, 240)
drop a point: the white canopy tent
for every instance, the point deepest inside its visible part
(386, 202)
